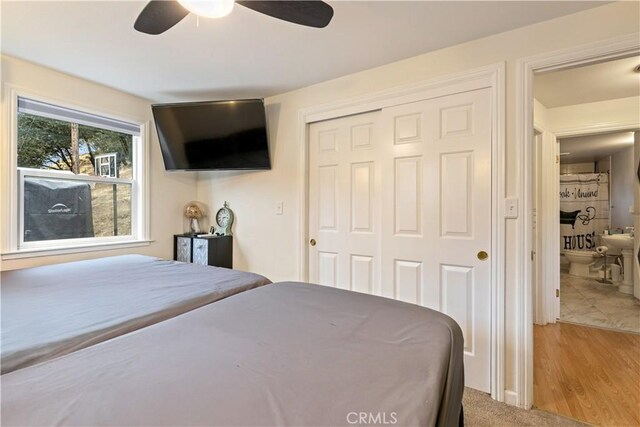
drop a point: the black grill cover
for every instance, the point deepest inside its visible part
(56, 209)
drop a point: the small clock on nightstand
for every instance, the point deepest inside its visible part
(224, 220)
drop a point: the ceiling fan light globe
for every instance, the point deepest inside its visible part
(208, 8)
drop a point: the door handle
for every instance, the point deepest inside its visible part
(482, 255)
(312, 242)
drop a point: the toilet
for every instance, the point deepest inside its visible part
(580, 262)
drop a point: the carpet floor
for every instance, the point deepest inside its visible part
(481, 410)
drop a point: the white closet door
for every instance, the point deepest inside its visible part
(400, 206)
(436, 216)
(344, 208)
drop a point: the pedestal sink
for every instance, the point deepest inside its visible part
(624, 242)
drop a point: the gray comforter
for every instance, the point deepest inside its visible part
(54, 310)
(283, 354)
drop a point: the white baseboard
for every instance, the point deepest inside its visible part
(511, 397)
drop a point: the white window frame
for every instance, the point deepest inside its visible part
(98, 163)
(13, 245)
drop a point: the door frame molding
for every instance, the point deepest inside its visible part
(491, 77)
(547, 227)
(618, 47)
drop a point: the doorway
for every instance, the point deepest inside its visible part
(583, 214)
(597, 178)
(583, 151)
(620, 47)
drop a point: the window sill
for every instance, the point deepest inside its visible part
(62, 250)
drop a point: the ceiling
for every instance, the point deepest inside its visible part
(592, 148)
(247, 54)
(592, 83)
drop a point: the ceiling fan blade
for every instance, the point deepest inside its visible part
(158, 16)
(312, 13)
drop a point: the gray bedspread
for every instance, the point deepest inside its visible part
(283, 354)
(54, 310)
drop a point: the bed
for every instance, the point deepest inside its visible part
(54, 310)
(283, 354)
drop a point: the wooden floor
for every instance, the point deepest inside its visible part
(589, 374)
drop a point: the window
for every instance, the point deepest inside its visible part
(107, 165)
(79, 178)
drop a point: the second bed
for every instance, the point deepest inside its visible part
(57, 309)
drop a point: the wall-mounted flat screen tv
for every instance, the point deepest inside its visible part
(214, 135)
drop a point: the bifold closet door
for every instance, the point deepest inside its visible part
(400, 206)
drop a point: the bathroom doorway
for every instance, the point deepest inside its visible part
(585, 179)
(586, 182)
(596, 231)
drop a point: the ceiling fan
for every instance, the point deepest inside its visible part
(160, 15)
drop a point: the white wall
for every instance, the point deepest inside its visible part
(583, 116)
(604, 165)
(540, 114)
(622, 180)
(168, 191)
(266, 243)
(566, 168)
(545, 268)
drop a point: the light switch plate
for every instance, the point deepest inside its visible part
(279, 208)
(511, 208)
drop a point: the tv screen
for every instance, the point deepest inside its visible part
(213, 135)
